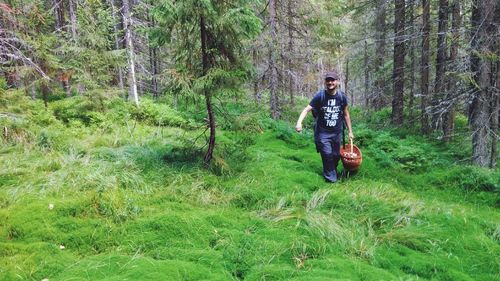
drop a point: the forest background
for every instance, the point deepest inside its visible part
(167, 124)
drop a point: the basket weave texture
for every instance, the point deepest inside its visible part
(351, 158)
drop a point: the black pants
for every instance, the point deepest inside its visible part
(328, 145)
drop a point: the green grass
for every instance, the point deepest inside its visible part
(122, 195)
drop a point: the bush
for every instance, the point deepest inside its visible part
(81, 109)
(158, 114)
(476, 179)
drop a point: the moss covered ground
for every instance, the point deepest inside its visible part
(95, 189)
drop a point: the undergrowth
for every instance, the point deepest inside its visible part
(95, 188)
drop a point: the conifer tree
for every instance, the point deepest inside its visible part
(208, 39)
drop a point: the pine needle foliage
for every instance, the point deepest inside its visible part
(228, 24)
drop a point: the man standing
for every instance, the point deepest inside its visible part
(330, 109)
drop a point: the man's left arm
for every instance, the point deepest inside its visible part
(347, 118)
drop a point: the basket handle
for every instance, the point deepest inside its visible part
(350, 140)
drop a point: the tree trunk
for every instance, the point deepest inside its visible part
(291, 80)
(399, 63)
(424, 67)
(440, 82)
(154, 71)
(380, 26)
(132, 81)
(367, 77)
(256, 93)
(58, 14)
(347, 81)
(449, 114)
(206, 66)
(495, 105)
(117, 41)
(274, 102)
(153, 62)
(480, 44)
(411, 23)
(72, 15)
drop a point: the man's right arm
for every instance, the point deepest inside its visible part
(302, 116)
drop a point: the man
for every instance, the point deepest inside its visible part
(330, 109)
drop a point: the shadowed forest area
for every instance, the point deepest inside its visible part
(155, 140)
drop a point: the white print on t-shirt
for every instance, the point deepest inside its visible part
(331, 113)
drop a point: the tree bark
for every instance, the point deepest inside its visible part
(481, 19)
(449, 114)
(346, 90)
(132, 81)
(380, 34)
(153, 62)
(117, 42)
(399, 63)
(424, 67)
(411, 23)
(367, 77)
(58, 14)
(274, 99)
(495, 105)
(256, 93)
(72, 15)
(440, 81)
(208, 102)
(291, 80)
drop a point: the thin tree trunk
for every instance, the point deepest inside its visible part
(424, 67)
(274, 102)
(398, 73)
(256, 93)
(132, 81)
(153, 62)
(347, 81)
(449, 114)
(440, 82)
(291, 83)
(211, 117)
(72, 15)
(117, 42)
(411, 23)
(367, 77)
(380, 26)
(58, 14)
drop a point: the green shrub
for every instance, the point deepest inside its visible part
(42, 117)
(44, 140)
(157, 114)
(410, 158)
(475, 179)
(81, 108)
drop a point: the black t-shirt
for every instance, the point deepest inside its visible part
(329, 110)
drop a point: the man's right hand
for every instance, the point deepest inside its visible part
(298, 128)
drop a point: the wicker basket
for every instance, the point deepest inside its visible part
(351, 157)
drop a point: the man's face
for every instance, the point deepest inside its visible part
(331, 84)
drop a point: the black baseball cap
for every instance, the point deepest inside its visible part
(332, 75)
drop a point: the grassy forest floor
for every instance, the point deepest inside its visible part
(96, 189)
